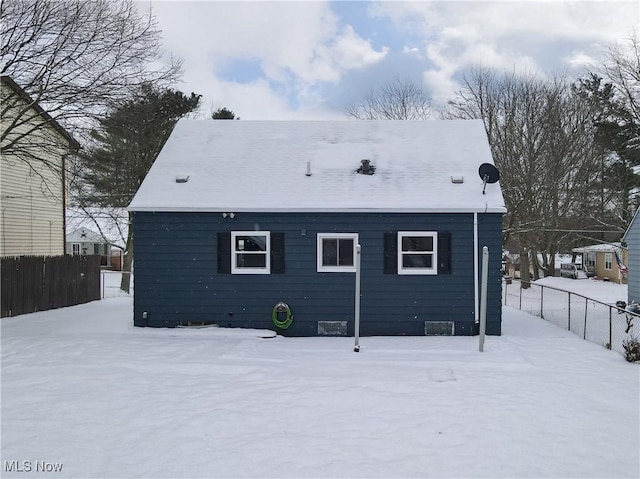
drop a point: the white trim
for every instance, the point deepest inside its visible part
(433, 252)
(320, 268)
(73, 249)
(235, 269)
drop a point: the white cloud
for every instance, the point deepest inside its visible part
(507, 35)
(351, 51)
(297, 44)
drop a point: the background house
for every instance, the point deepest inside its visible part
(236, 217)
(601, 259)
(632, 239)
(106, 227)
(32, 176)
(83, 241)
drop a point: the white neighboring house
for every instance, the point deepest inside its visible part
(32, 176)
(93, 231)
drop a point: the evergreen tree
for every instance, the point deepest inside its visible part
(617, 135)
(223, 114)
(126, 145)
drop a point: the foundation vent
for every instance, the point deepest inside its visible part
(438, 328)
(332, 328)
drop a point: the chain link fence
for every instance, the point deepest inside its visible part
(111, 282)
(592, 320)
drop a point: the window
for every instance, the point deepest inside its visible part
(96, 248)
(417, 252)
(608, 261)
(75, 248)
(250, 252)
(590, 259)
(337, 252)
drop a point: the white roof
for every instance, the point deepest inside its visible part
(110, 223)
(260, 166)
(84, 235)
(606, 248)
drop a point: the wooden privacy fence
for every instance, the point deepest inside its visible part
(38, 283)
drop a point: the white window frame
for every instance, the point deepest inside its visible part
(608, 261)
(235, 269)
(335, 269)
(75, 249)
(434, 252)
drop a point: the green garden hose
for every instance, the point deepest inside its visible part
(282, 307)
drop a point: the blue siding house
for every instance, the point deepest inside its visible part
(254, 224)
(632, 238)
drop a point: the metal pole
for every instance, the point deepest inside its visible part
(506, 292)
(356, 334)
(520, 303)
(586, 311)
(610, 335)
(542, 301)
(483, 296)
(569, 314)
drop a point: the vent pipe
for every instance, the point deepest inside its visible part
(308, 173)
(366, 168)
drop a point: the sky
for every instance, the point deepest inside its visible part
(298, 60)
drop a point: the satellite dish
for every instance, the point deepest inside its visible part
(488, 174)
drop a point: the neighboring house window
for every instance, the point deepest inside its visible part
(417, 252)
(250, 252)
(590, 259)
(96, 248)
(336, 252)
(75, 248)
(608, 261)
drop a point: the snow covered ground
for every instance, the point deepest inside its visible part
(564, 302)
(84, 391)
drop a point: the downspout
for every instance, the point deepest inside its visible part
(64, 205)
(476, 293)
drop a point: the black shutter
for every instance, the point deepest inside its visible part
(391, 253)
(444, 252)
(277, 253)
(224, 253)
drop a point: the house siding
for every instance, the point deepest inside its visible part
(176, 278)
(632, 238)
(32, 194)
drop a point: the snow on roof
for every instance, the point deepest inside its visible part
(261, 166)
(606, 248)
(84, 235)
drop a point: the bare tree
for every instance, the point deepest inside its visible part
(622, 68)
(397, 100)
(74, 58)
(616, 84)
(541, 137)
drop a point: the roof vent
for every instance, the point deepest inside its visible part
(457, 179)
(366, 168)
(182, 178)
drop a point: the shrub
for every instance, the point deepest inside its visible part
(631, 347)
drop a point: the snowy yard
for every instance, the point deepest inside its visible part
(85, 391)
(564, 302)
